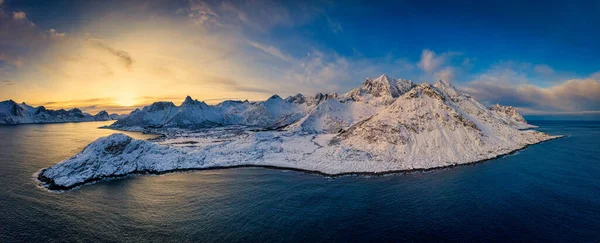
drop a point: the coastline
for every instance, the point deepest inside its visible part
(50, 185)
(47, 123)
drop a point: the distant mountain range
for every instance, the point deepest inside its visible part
(320, 113)
(14, 113)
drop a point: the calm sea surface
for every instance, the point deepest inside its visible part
(548, 192)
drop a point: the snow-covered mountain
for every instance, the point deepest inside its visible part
(320, 113)
(382, 90)
(384, 125)
(14, 113)
(272, 113)
(115, 116)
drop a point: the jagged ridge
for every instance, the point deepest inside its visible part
(13, 113)
(367, 130)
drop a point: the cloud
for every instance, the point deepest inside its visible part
(259, 15)
(274, 51)
(7, 82)
(124, 56)
(253, 15)
(430, 61)
(20, 37)
(233, 85)
(571, 95)
(320, 72)
(237, 13)
(201, 13)
(54, 33)
(509, 72)
(446, 74)
(19, 15)
(335, 25)
(543, 69)
(87, 105)
(12, 60)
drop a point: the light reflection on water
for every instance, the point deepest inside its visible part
(547, 192)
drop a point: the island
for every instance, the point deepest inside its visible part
(385, 125)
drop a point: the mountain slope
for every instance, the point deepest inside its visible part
(380, 91)
(436, 125)
(321, 113)
(14, 113)
(335, 114)
(376, 128)
(271, 113)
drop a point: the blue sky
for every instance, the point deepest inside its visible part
(541, 57)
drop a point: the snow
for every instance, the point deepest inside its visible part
(116, 116)
(381, 126)
(14, 113)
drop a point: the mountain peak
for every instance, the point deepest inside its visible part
(447, 89)
(101, 113)
(12, 102)
(275, 97)
(190, 102)
(443, 83)
(384, 78)
(298, 99)
(160, 105)
(75, 110)
(381, 86)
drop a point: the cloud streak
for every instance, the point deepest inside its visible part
(233, 85)
(122, 55)
(270, 50)
(7, 82)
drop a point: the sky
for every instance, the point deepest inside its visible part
(542, 57)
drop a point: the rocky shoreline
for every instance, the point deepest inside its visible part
(384, 126)
(51, 185)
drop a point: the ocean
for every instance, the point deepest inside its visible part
(548, 192)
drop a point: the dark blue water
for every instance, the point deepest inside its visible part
(548, 192)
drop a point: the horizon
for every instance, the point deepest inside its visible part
(299, 121)
(121, 56)
(566, 116)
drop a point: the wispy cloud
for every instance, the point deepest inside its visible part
(233, 85)
(15, 61)
(543, 69)
(253, 15)
(7, 82)
(124, 56)
(446, 74)
(336, 26)
(201, 12)
(320, 72)
(274, 51)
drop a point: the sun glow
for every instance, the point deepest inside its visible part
(125, 100)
